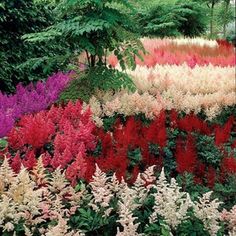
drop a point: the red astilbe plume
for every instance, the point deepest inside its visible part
(14, 138)
(37, 130)
(126, 137)
(211, 177)
(156, 132)
(186, 156)
(200, 171)
(191, 123)
(222, 134)
(16, 162)
(29, 161)
(77, 169)
(228, 165)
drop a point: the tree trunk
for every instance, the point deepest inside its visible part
(211, 20)
(225, 16)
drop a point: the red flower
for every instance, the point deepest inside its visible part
(222, 134)
(16, 162)
(29, 160)
(228, 165)
(211, 177)
(186, 157)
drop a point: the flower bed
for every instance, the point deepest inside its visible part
(99, 170)
(29, 99)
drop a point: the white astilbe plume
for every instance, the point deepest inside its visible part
(61, 186)
(19, 201)
(7, 175)
(149, 176)
(38, 174)
(140, 188)
(29, 197)
(102, 194)
(207, 211)
(126, 206)
(114, 184)
(170, 203)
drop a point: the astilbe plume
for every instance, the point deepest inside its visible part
(230, 218)
(228, 166)
(126, 207)
(192, 52)
(186, 156)
(222, 134)
(101, 191)
(61, 135)
(207, 211)
(107, 104)
(43, 203)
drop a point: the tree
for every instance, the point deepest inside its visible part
(172, 18)
(95, 27)
(225, 15)
(211, 5)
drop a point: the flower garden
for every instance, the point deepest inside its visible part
(160, 160)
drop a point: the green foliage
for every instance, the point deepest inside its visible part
(135, 156)
(18, 17)
(207, 150)
(226, 192)
(172, 18)
(96, 78)
(186, 181)
(93, 26)
(191, 227)
(3, 144)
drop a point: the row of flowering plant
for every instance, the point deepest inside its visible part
(105, 104)
(208, 88)
(28, 99)
(192, 52)
(180, 144)
(39, 203)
